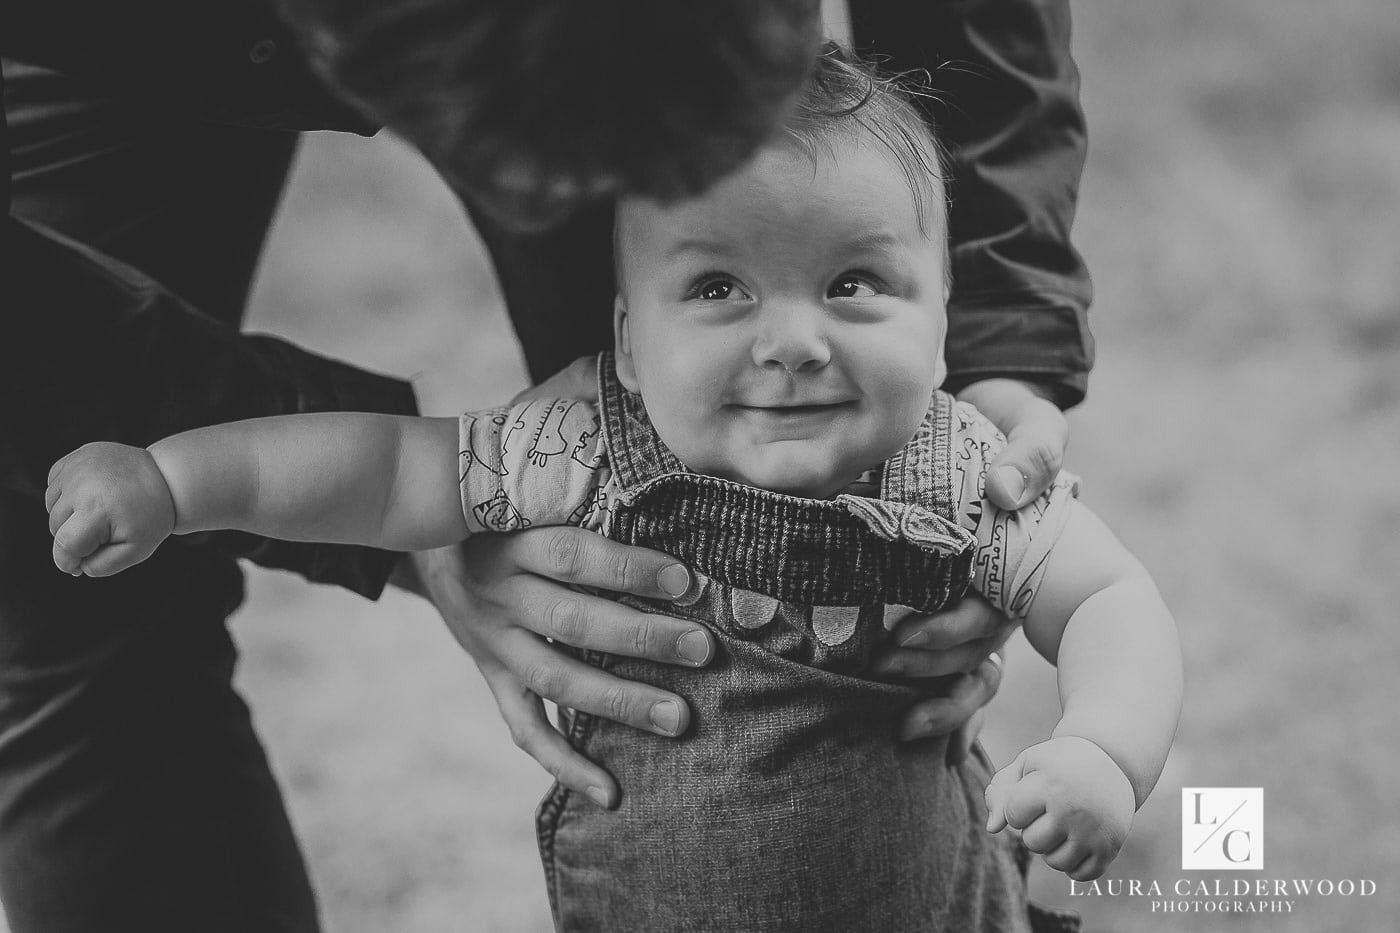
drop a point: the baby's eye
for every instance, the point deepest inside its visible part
(851, 286)
(717, 289)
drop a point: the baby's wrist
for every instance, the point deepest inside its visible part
(167, 469)
(1095, 746)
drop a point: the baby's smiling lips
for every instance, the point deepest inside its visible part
(810, 414)
(794, 408)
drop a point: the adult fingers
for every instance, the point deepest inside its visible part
(961, 740)
(941, 715)
(80, 535)
(531, 732)
(585, 558)
(914, 663)
(1034, 451)
(970, 619)
(549, 673)
(593, 623)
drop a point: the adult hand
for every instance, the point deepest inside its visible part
(964, 639)
(502, 595)
(1036, 434)
(958, 645)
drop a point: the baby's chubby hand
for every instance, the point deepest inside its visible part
(109, 508)
(1070, 802)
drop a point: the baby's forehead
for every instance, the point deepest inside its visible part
(853, 174)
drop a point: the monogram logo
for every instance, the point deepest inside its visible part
(1222, 828)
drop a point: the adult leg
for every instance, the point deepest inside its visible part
(134, 793)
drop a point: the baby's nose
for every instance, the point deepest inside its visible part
(792, 337)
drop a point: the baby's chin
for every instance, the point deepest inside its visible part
(798, 476)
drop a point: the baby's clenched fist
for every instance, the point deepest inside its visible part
(1070, 802)
(109, 508)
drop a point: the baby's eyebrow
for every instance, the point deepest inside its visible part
(881, 241)
(699, 245)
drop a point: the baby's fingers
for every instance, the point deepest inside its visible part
(59, 513)
(1067, 856)
(1093, 865)
(999, 790)
(52, 494)
(1026, 802)
(1045, 836)
(114, 558)
(80, 535)
(58, 466)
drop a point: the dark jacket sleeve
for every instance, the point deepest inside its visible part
(231, 62)
(1006, 108)
(93, 350)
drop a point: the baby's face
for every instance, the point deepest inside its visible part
(784, 329)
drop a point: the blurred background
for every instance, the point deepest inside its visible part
(1241, 215)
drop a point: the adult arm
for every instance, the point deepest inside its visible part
(97, 351)
(500, 596)
(1006, 108)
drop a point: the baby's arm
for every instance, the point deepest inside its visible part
(1098, 616)
(378, 480)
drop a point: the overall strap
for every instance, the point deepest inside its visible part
(848, 551)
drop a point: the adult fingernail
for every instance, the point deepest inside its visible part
(694, 647)
(1012, 479)
(674, 580)
(666, 717)
(599, 796)
(915, 640)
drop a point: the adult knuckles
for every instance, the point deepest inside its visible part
(617, 704)
(524, 737)
(942, 637)
(622, 571)
(645, 641)
(566, 620)
(565, 554)
(545, 680)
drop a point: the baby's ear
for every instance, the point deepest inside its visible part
(622, 347)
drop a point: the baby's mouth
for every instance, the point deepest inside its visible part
(814, 409)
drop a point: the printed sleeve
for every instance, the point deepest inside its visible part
(1013, 548)
(538, 463)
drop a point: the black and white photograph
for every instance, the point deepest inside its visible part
(699, 466)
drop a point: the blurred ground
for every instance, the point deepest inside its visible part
(1241, 215)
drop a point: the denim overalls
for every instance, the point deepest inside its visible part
(788, 805)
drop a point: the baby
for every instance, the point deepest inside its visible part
(771, 416)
